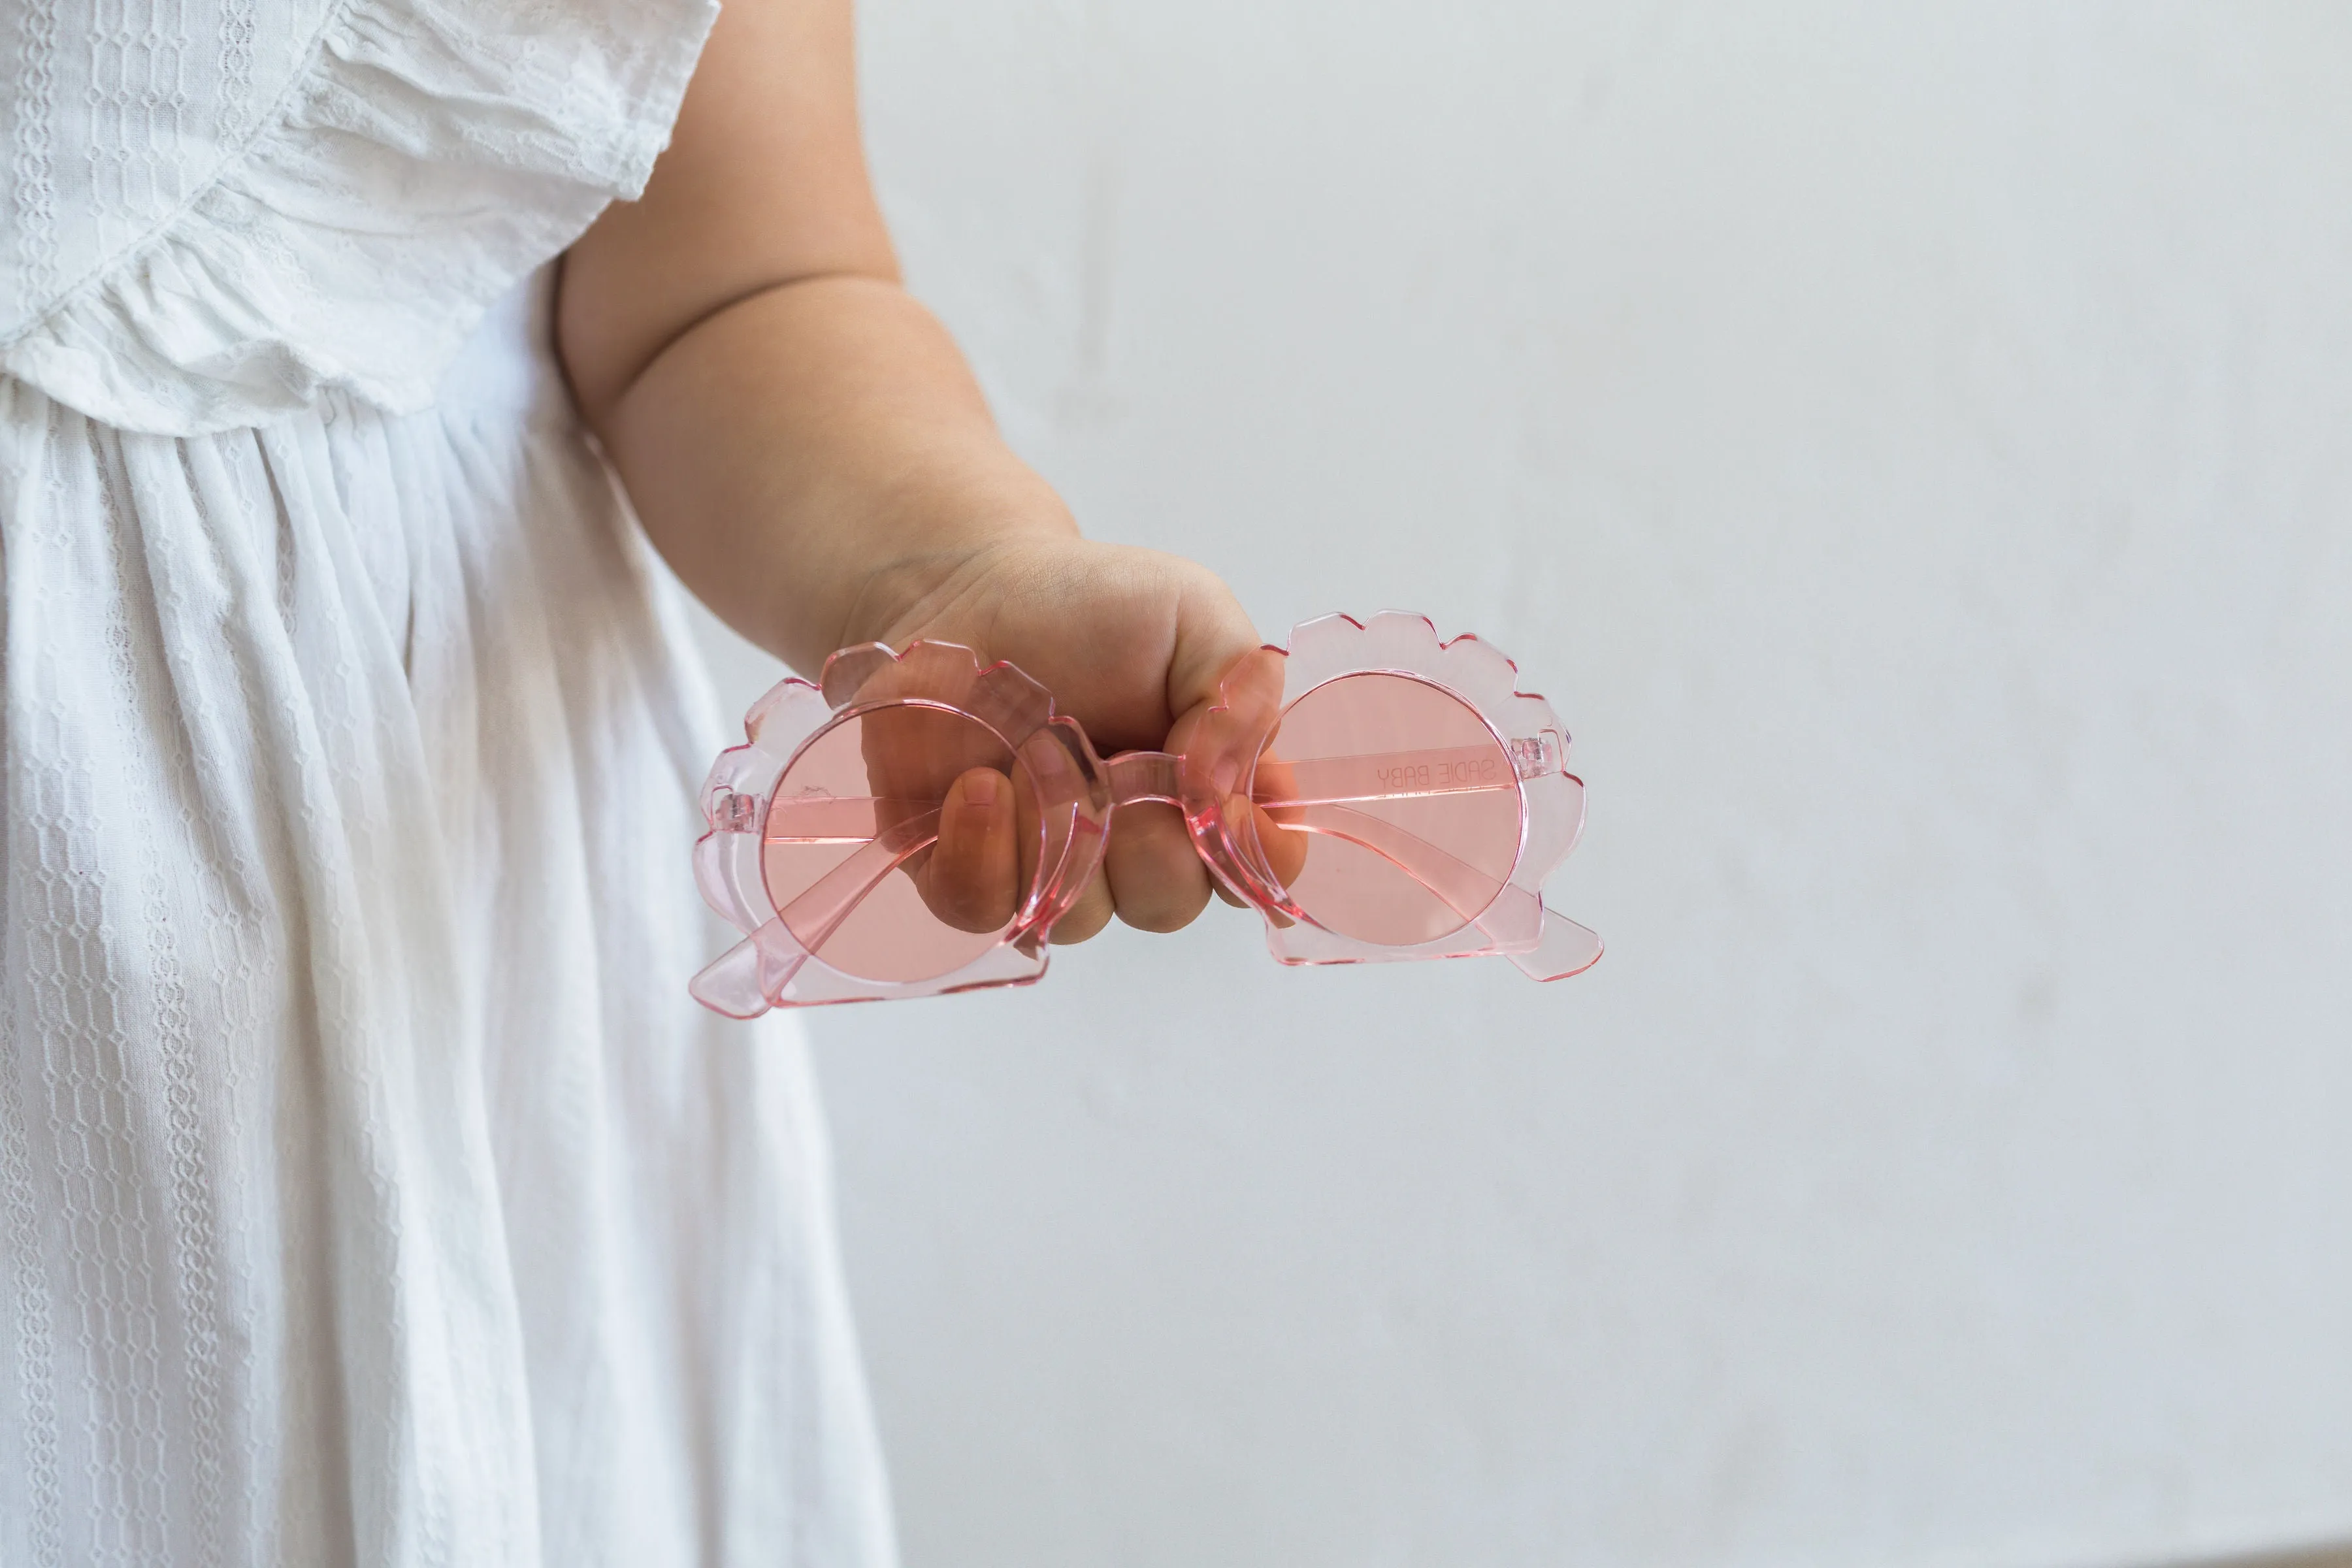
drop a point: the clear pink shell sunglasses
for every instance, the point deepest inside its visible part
(914, 824)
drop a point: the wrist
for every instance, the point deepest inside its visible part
(921, 587)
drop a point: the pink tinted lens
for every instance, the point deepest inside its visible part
(1389, 811)
(901, 842)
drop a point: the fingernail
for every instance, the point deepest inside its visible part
(980, 786)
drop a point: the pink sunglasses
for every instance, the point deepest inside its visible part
(914, 824)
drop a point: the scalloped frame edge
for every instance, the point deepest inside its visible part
(770, 967)
(1551, 817)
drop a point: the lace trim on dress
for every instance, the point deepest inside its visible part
(431, 154)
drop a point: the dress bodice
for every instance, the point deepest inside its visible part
(214, 210)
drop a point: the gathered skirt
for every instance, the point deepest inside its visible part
(370, 1189)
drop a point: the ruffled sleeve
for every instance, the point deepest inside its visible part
(429, 154)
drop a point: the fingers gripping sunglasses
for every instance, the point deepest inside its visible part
(913, 824)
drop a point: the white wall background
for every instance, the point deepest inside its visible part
(1913, 447)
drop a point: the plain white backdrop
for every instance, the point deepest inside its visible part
(1913, 449)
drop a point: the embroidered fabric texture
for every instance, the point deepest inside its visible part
(186, 260)
(370, 1193)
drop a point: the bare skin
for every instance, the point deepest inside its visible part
(811, 454)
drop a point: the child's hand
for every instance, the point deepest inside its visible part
(810, 455)
(1130, 642)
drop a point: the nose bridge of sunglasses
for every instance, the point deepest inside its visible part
(1137, 777)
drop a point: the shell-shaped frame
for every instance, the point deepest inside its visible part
(1517, 926)
(770, 967)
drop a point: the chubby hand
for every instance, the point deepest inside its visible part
(1132, 644)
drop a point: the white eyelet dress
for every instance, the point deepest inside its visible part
(370, 1192)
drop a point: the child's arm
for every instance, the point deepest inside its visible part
(810, 453)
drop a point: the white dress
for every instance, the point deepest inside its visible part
(369, 1190)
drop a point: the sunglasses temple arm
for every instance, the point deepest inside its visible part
(1563, 947)
(1461, 887)
(1401, 775)
(1371, 775)
(764, 963)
